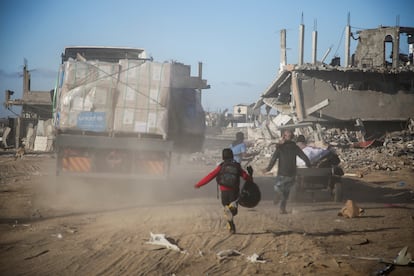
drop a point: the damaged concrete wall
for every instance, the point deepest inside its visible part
(378, 87)
(370, 96)
(371, 44)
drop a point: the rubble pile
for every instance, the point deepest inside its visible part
(208, 157)
(392, 152)
(395, 151)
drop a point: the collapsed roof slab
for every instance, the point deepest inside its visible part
(278, 91)
(377, 86)
(373, 96)
(370, 95)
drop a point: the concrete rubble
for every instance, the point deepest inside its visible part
(391, 152)
(163, 241)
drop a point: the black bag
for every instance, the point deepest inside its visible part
(229, 175)
(250, 195)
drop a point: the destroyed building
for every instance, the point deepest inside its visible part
(366, 102)
(375, 85)
(33, 127)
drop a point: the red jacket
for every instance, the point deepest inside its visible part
(213, 175)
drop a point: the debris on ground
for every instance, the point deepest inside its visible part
(404, 257)
(163, 241)
(58, 235)
(392, 151)
(228, 253)
(384, 271)
(37, 255)
(363, 242)
(351, 210)
(255, 258)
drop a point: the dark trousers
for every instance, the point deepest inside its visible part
(282, 186)
(228, 197)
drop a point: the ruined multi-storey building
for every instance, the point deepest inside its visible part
(375, 84)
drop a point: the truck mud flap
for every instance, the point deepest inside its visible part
(76, 164)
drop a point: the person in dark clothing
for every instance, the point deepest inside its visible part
(227, 175)
(286, 153)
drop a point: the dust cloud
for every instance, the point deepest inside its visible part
(65, 194)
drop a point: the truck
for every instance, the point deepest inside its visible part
(118, 113)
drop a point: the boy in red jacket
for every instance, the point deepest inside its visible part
(228, 175)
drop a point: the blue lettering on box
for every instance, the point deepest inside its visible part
(92, 121)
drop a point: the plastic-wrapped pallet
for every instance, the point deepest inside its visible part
(142, 104)
(87, 94)
(77, 73)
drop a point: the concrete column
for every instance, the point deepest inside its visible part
(200, 70)
(347, 45)
(314, 46)
(5, 135)
(17, 134)
(300, 111)
(283, 58)
(200, 76)
(301, 42)
(26, 80)
(396, 50)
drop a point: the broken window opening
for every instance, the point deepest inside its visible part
(404, 50)
(388, 53)
(410, 42)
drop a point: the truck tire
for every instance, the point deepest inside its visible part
(337, 192)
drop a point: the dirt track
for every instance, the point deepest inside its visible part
(102, 228)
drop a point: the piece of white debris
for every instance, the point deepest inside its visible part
(161, 240)
(403, 257)
(228, 253)
(58, 235)
(255, 258)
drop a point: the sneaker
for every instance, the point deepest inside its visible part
(233, 205)
(231, 227)
(227, 213)
(228, 226)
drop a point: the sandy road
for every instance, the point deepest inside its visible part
(94, 229)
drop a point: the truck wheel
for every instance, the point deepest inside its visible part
(338, 192)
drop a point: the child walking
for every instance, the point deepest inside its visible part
(227, 175)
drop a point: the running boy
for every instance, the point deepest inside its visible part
(227, 175)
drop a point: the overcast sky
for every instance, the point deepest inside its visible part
(237, 41)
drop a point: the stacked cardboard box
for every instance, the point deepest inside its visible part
(142, 104)
(132, 96)
(86, 95)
